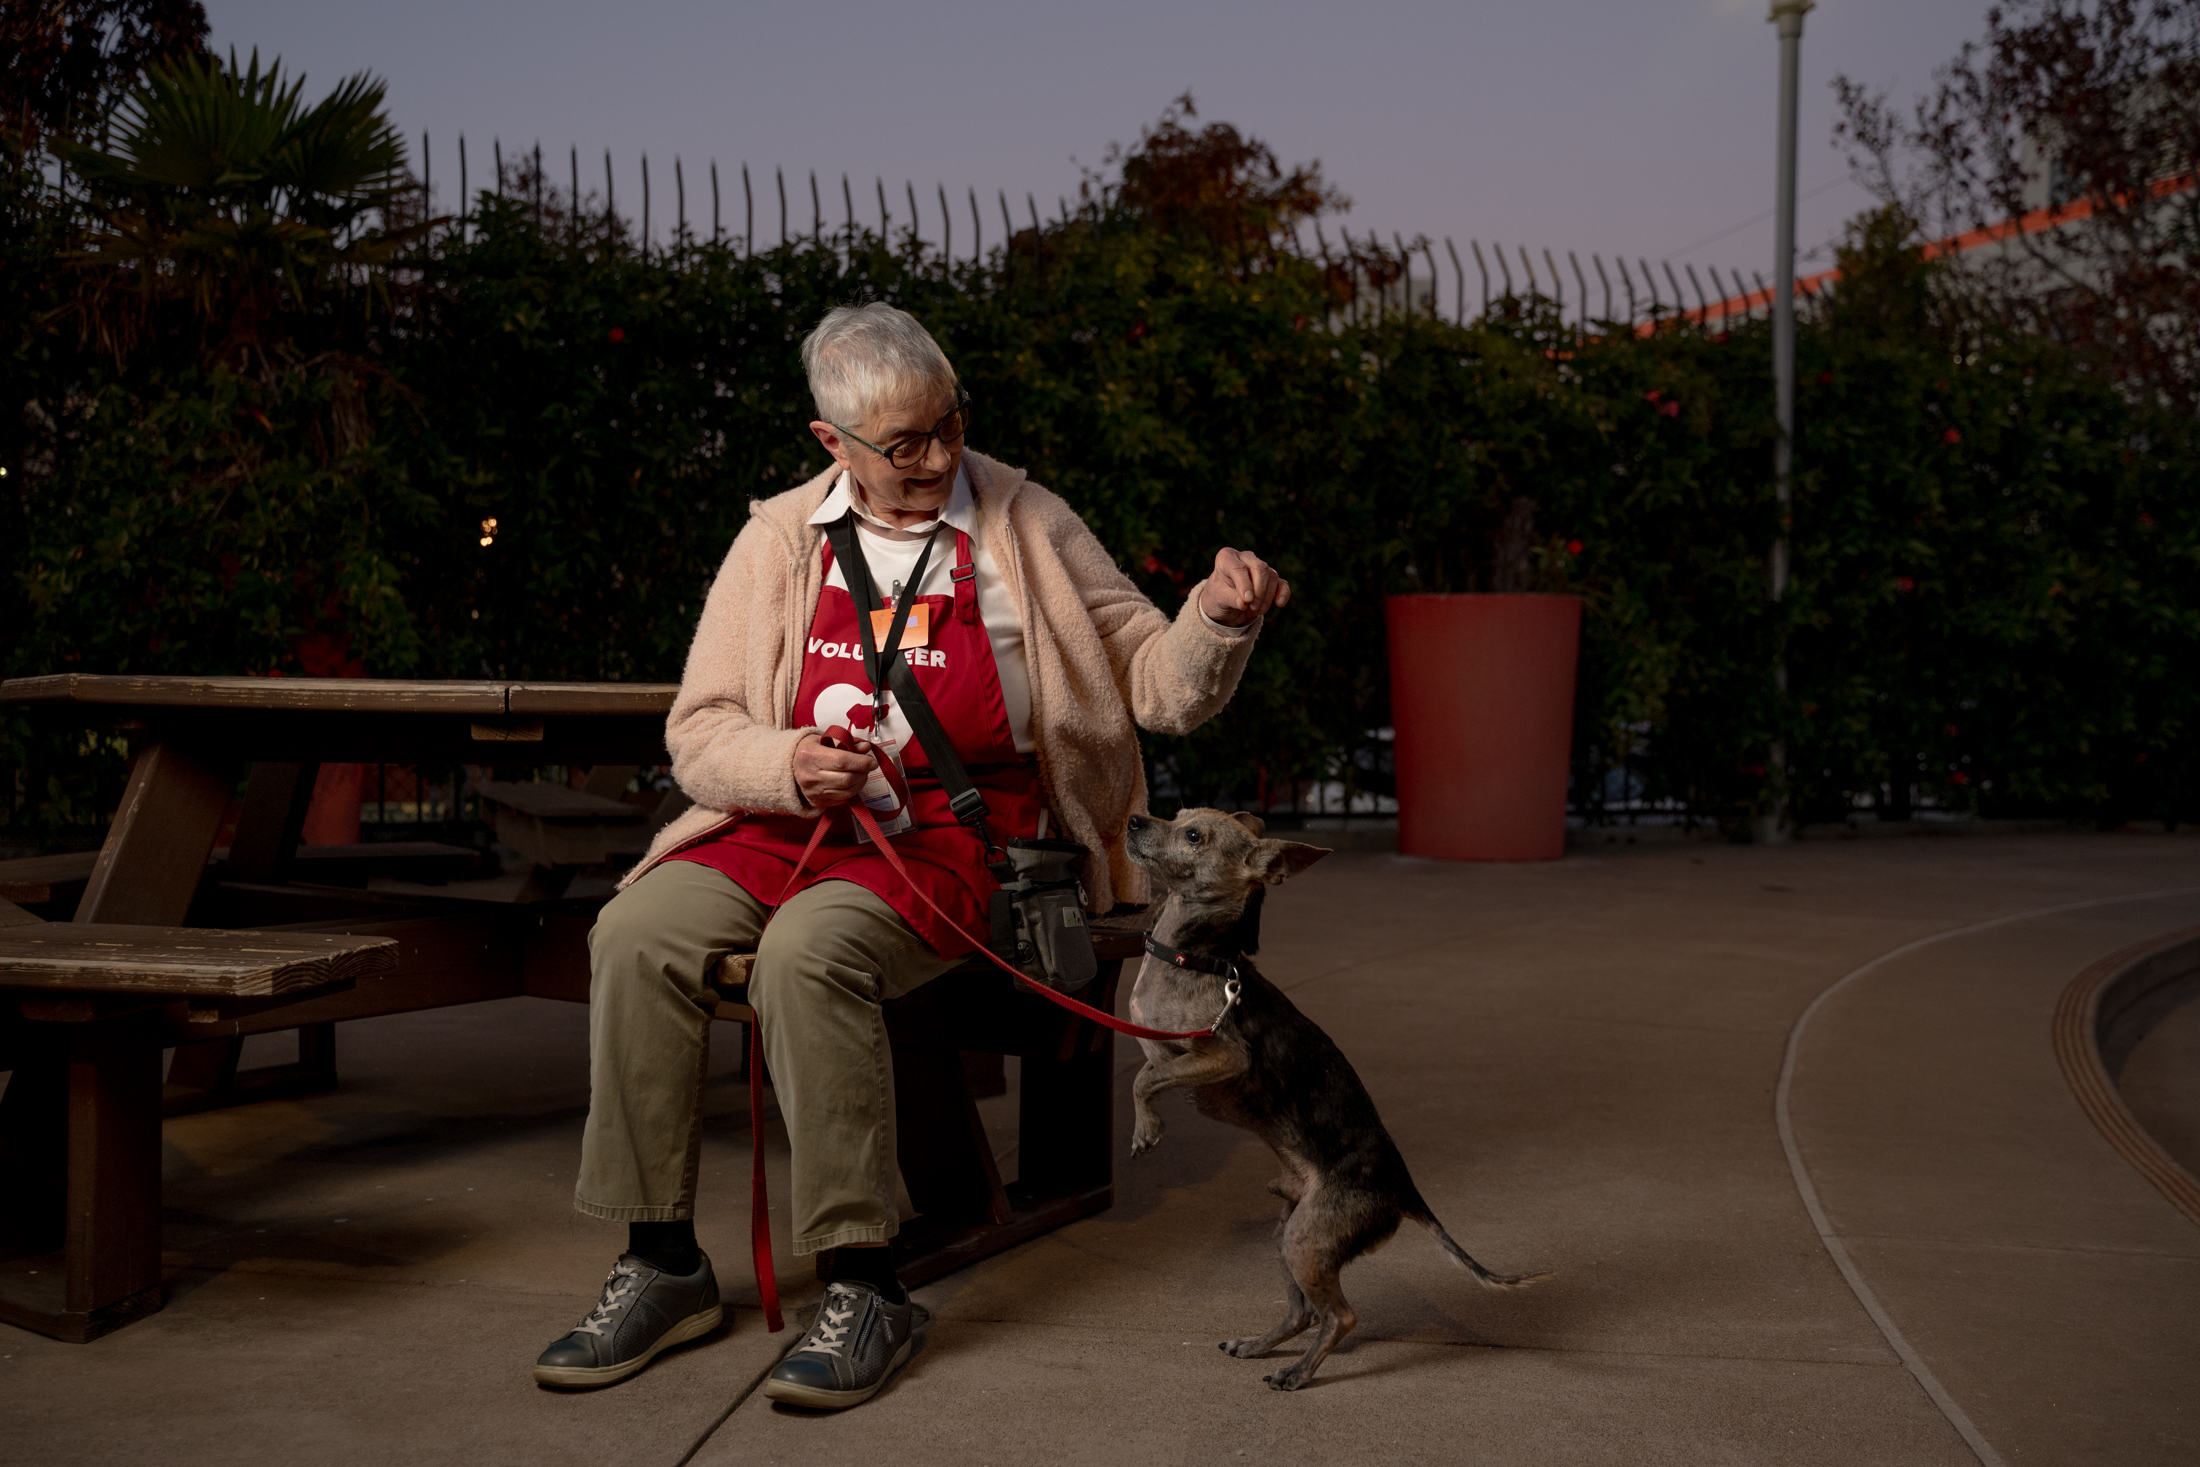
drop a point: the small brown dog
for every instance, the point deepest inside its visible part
(1267, 1068)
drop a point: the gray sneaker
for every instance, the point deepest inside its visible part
(856, 1342)
(643, 1311)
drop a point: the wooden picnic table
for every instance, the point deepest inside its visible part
(193, 739)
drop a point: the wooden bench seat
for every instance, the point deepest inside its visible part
(196, 964)
(558, 831)
(84, 1011)
(427, 862)
(57, 883)
(36, 881)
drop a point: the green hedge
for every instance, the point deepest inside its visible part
(1996, 556)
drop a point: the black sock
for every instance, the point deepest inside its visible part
(669, 1246)
(873, 1266)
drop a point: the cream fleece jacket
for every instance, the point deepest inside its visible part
(1102, 657)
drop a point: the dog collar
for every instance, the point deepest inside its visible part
(1197, 962)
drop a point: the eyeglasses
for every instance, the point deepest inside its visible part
(909, 451)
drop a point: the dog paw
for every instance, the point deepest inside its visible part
(1285, 1380)
(1237, 1349)
(1143, 1141)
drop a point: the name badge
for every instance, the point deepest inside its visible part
(917, 633)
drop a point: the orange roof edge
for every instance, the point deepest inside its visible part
(2032, 222)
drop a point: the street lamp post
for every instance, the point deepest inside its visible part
(1775, 826)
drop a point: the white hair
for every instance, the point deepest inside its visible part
(866, 359)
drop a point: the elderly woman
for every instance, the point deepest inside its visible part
(1036, 655)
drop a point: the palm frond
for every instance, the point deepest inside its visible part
(224, 189)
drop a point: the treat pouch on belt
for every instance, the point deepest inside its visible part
(1039, 916)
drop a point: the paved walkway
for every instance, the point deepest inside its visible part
(1580, 1061)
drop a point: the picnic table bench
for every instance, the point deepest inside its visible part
(59, 881)
(34, 881)
(94, 1004)
(193, 738)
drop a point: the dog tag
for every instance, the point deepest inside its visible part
(917, 632)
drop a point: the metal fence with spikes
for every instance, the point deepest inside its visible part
(1385, 275)
(1587, 295)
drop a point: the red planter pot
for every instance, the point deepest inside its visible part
(1482, 705)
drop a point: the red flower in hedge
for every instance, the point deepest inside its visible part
(1959, 777)
(1670, 409)
(1573, 547)
(1652, 395)
(322, 654)
(2146, 520)
(1825, 379)
(1904, 583)
(1951, 436)
(618, 333)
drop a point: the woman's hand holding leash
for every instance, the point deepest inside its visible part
(828, 775)
(1243, 588)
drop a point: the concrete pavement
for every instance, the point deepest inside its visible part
(1579, 1061)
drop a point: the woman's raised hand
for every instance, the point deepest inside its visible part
(1243, 588)
(830, 776)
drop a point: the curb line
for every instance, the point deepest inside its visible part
(1808, 1190)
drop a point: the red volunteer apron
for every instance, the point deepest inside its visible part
(955, 667)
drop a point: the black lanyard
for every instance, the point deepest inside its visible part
(963, 798)
(856, 571)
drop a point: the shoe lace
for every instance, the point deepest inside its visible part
(615, 1289)
(835, 1317)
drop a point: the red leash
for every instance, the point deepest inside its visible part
(760, 1240)
(760, 1222)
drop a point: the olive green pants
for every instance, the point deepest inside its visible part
(833, 954)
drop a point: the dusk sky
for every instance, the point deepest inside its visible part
(1644, 127)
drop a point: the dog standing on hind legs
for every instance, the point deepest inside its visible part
(1268, 1068)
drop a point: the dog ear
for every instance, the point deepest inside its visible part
(1276, 861)
(1251, 822)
